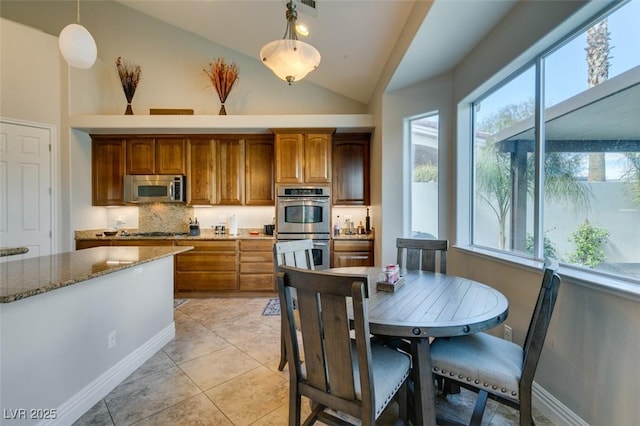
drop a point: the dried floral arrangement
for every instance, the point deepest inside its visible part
(223, 77)
(129, 77)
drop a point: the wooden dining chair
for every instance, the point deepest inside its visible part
(494, 367)
(298, 253)
(422, 254)
(336, 372)
(418, 254)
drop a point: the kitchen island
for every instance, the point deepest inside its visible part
(74, 325)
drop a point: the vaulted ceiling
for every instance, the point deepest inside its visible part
(354, 37)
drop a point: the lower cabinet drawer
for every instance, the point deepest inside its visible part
(256, 268)
(342, 259)
(202, 281)
(257, 282)
(206, 261)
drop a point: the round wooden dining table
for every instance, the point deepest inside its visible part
(427, 305)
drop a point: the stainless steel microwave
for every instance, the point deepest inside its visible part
(154, 189)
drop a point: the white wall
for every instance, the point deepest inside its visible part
(432, 96)
(30, 92)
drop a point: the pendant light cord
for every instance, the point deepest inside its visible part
(78, 12)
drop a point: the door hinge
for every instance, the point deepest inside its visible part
(49, 147)
(50, 234)
(49, 190)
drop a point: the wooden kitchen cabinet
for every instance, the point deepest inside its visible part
(170, 158)
(155, 156)
(200, 171)
(350, 163)
(85, 244)
(142, 242)
(141, 156)
(352, 253)
(289, 151)
(256, 265)
(229, 171)
(317, 158)
(303, 156)
(210, 267)
(108, 165)
(259, 176)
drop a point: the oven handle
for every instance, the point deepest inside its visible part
(294, 200)
(315, 244)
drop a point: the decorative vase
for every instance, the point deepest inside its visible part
(223, 111)
(129, 110)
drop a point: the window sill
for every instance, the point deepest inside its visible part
(628, 289)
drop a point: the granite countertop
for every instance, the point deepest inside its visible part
(205, 234)
(12, 251)
(28, 277)
(354, 237)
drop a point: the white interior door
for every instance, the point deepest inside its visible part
(25, 188)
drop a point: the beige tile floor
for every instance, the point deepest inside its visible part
(221, 369)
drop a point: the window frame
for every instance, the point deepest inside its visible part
(408, 177)
(626, 286)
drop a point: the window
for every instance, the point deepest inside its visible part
(585, 208)
(498, 213)
(424, 176)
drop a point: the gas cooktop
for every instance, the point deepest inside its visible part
(153, 234)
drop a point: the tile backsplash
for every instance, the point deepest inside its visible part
(170, 217)
(175, 217)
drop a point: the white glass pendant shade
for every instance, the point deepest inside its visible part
(77, 46)
(290, 60)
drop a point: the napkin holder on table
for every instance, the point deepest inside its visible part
(389, 287)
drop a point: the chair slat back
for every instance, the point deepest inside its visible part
(323, 301)
(421, 254)
(540, 320)
(298, 253)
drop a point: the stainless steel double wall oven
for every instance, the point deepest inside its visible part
(305, 212)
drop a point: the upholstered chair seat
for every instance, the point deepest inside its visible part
(485, 361)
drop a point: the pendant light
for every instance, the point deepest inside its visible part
(76, 44)
(290, 59)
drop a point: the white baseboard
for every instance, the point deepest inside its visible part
(72, 409)
(553, 409)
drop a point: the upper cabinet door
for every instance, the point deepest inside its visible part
(317, 158)
(289, 152)
(259, 189)
(350, 185)
(141, 156)
(200, 172)
(107, 171)
(304, 156)
(170, 156)
(229, 173)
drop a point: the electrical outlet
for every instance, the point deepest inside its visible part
(111, 340)
(508, 333)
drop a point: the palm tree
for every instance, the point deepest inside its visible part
(598, 55)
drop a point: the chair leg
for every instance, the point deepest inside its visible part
(402, 402)
(283, 356)
(283, 350)
(478, 410)
(526, 414)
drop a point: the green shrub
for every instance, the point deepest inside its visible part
(589, 241)
(425, 173)
(549, 249)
